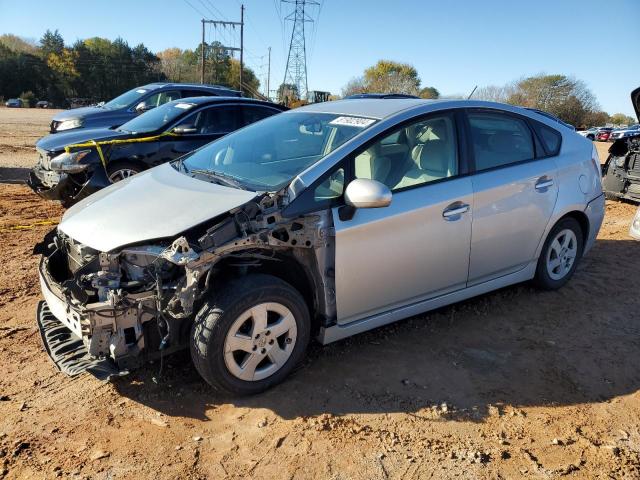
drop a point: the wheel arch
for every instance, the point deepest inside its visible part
(582, 220)
(283, 265)
(577, 215)
(112, 164)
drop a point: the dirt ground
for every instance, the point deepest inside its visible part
(518, 383)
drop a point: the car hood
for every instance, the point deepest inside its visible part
(155, 204)
(635, 99)
(58, 141)
(82, 112)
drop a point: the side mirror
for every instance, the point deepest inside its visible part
(143, 107)
(364, 193)
(182, 129)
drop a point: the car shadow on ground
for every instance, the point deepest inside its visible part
(515, 347)
(13, 175)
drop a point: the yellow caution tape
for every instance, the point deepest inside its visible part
(98, 145)
(30, 226)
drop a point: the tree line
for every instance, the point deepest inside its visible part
(97, 69)
(563, 96)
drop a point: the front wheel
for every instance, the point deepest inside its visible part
(560, 255)
(122, 170)
(250, 335)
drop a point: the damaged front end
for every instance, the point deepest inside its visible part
(621, 172)
(108, 312)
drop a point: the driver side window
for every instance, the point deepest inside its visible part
(212, 120)
(415, 154)
(161, 98)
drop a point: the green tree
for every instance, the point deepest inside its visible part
(622, 119)
(429, 93)
(354, 86)
(388, 76)
(595, 119)
(18, 44)
(51, 42)
(560, 95)
(288, 93)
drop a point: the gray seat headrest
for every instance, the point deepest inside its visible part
(434, 157)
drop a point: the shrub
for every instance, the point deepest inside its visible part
(28, 99)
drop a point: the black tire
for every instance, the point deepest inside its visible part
(542, 278)
(216, 317)
(121, 166)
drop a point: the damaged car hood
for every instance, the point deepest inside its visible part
(57, 141)
(158, 203)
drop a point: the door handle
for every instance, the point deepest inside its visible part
(543, 183)
(453, 211)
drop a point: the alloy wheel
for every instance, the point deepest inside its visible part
(562, 254)
(260, 341)
(121, 174)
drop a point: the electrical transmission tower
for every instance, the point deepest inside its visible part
(296, 71)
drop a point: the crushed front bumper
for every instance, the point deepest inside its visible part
(67, 188)
(89, 339)
(67, 351)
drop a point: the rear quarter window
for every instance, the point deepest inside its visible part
(550, 138)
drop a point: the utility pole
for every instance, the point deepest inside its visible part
(202, 54)
(269, 75)
(221, 23)
(241, 44)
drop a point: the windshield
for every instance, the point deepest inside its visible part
(157, 118)
(266, 155)
(125, 99)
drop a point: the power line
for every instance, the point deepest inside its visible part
(197, 10)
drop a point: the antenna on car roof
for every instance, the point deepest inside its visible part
(472, 92)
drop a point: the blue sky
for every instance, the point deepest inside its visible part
(453, 44)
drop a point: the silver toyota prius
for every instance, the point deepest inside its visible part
(324, 221)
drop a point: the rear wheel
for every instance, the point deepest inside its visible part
(560, 255)
(121, 170)
(250, 335)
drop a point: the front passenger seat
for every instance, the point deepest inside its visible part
(431, 162)
(375, 167)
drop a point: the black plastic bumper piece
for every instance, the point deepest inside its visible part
(68, 352)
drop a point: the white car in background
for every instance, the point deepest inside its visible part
(590, 133)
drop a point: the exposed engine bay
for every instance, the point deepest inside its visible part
(621, 172)
(138, 302)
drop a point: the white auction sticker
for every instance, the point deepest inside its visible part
(358, 122)
(184, 106)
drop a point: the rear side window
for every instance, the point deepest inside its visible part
(551, 139)
(499, 140)
(251, 114)
(213, 120)
(196, 93)
(161, 98)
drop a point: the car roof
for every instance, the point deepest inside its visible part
(380, 95)
(222, 99)
(197, 86)
(381, 108)
(378, 108)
